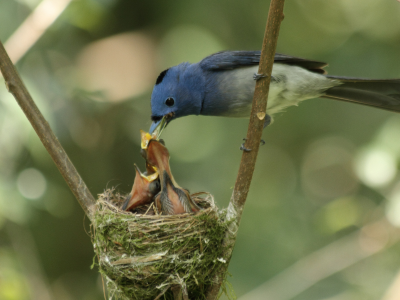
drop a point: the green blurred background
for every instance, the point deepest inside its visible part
(321, 217)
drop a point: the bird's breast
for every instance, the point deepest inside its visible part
(230, 92)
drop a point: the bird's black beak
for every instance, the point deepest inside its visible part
(154, 125)
(158, 126)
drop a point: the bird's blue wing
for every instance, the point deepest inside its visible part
(227, 60)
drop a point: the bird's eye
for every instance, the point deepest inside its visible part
(170, 102)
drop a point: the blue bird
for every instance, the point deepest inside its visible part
(223, 84)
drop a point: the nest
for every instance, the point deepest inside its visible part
(143, 255)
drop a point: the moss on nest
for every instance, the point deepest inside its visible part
(143, 255)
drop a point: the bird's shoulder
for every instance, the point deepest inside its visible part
(228, 60)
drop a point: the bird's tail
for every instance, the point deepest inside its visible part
(380, 93)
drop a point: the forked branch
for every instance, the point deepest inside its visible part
(257, 119)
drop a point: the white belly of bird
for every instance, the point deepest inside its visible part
(289, 86)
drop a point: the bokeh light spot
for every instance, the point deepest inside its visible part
(376, 167)
(393, 208)
(339, 214)
(121, 66)
(31, 183)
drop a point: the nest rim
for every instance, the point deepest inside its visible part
(189, 225)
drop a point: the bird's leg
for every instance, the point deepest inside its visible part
(257, 76)
(243, 148)
(267, 121)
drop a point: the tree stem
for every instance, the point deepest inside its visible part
(16, 87)
(257, 119)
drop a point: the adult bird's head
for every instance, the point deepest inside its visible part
(179, 91)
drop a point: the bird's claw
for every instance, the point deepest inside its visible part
(243, 148)
(257, 76)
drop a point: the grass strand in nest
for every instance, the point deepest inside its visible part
(143, 255)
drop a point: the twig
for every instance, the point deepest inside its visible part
(257, 119)
(34, 26)
(15, 86)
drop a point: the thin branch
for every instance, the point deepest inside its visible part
(15, 86)
(257, 119)
(34, 26)
(258, 111)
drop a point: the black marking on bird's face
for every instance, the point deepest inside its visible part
(161, 76)
(155, 118)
